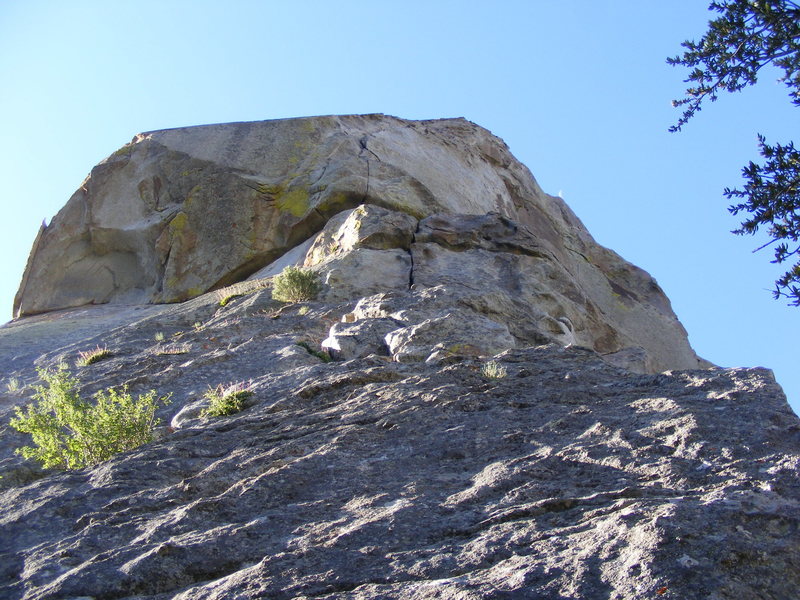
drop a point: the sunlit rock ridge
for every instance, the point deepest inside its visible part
(482, 402)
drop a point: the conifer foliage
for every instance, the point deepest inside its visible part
(747, 36)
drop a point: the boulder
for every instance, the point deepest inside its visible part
(357, 339)
(457, 331)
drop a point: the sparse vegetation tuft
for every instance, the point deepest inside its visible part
(493, 370)
(70, 433)
(226, 400)
(296, 285)
(89, 357)
(228, 298)
(169, 349)
(13, 385)
(321, 354)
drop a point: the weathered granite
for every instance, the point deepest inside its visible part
(181, 211)
(370, 478)
(486, 269)
(608, 460)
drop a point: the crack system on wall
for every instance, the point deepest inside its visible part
(411, 257)
(363, 144)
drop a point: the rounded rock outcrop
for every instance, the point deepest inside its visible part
(180, 212)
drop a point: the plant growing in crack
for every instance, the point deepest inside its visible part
(320, 354)
(170, 349)
(89, 357)
(226, 400)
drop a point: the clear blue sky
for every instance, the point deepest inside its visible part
(578, 89)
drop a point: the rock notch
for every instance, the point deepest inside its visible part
(180, 212)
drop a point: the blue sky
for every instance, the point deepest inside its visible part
(578, 89)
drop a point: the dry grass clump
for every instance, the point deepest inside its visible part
(89, 357)
(493, 370)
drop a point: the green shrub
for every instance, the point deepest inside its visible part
(71, 433)
(494, 370)
(223, 401)
(295, 285)
(89, 357)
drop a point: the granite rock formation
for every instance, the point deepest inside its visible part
(180, 212)
(600, 459)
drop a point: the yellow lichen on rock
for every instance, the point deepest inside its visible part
(294, 202)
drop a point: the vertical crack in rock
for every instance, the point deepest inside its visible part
(411, 257)
(363, 144)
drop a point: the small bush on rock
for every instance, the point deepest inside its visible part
(223, 401)
(296, 285)
(13, 385)
(71, 433)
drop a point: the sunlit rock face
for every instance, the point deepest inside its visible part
(179, 212)
(481, 402)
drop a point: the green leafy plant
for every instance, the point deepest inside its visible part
(226, 400)
(296, 285)
(89, 357)
(71, 433)
(159, 337)
(494, 370)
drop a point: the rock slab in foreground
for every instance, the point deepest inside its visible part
(568, 478)
(371, 478)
